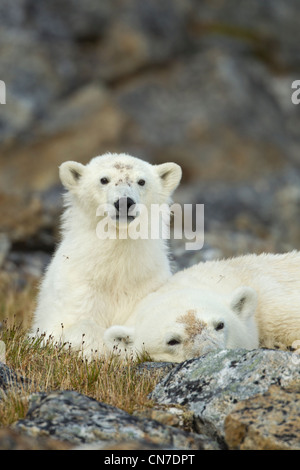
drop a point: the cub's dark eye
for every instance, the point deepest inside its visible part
(173, 342)
(141, 182)
(219, 326)
(104, 180)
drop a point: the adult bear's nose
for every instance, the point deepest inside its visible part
(123, 204)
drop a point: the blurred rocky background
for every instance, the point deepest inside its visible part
(204, 83)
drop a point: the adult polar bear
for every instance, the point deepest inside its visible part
(245, 302)
(93, 282)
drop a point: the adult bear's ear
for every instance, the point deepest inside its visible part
(170, 175)
(70, 174)
(244, 302)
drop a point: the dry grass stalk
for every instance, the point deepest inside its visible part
(50, 366)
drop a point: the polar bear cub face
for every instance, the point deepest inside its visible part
(186, 323)
(119, 182)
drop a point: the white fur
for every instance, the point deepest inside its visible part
(256, 297)
(93, 283)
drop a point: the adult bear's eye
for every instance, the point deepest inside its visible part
(104, 180)
(219, 326)
(173, 342)
(141, 182)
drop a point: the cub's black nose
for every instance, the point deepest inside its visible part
(123, 204)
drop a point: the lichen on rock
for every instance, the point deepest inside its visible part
(211, 385)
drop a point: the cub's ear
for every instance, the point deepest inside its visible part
(170, 175)
(244, 302)
(118, 335)
(70, 174)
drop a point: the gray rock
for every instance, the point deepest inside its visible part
(166, 81)
(267, 29)
(161, 367)
(9, 378)
(210, 386)
(13, 440)
(78, 419)
(266, 422)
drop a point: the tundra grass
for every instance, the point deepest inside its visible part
(49, 366)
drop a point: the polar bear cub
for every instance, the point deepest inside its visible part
(243, 302)
(96, 277)
(181, 324)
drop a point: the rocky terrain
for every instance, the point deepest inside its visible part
(233, 399)
(204, 84)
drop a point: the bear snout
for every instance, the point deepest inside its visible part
(123, 206)
(204, 343)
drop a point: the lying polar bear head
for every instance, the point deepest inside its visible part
(181, 324)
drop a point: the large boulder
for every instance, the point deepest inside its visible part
(212, 385)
